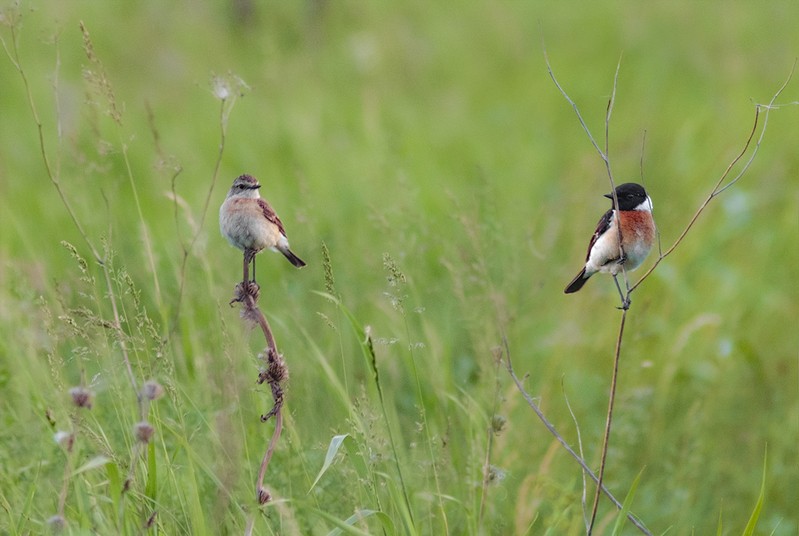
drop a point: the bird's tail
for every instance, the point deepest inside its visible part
(578, 282)
(293, 259)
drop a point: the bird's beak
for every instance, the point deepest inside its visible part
(255, 187)
(609, 196)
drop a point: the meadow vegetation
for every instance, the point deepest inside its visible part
(442, 192)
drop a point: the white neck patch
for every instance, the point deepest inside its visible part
(646, 206)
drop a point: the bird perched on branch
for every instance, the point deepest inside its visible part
(637, 237)
(250, 224)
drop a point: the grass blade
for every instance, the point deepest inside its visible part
(749, 530)
(621, 517)
(335, 444)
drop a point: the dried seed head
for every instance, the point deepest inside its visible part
(57, 523)
(152, 390)
(278, 371)
(81, 397)
(495, 474)
(220, 88)
(496, 354)
(143, 431)
(263, 496)
(498, 423)
(65, 439)
(151, 520)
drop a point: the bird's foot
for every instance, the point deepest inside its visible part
(238, 294)
(625, 304)
(253, 289)
(244, 290)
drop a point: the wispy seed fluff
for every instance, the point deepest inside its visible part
(152, 390)
(64, 439)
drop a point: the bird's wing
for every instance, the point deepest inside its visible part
(601, 228)
(270, 215)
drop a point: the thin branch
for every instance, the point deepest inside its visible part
(718, 188)
(549, 426)
(608, 113)
(606, 438)
(576, 109)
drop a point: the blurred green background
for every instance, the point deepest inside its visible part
(415, 138)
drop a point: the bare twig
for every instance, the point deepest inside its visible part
(718, 188)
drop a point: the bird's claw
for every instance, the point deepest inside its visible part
(244, 290)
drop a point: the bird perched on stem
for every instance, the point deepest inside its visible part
(250, 224)
(637, 234)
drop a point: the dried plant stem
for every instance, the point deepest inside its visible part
(268, 456)
(274, 373)
(718, 188)
(549, 426)
(606, 437)
(368, 345)
(224, 112)
(625, 298)
(582, 455)
(101, 259)
(68, 468)
(13, 55)
(121, 338)
(490, 432)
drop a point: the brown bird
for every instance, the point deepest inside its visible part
(250, 224)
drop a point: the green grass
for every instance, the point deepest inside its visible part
(425, 149)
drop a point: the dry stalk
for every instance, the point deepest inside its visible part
(274, 373)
